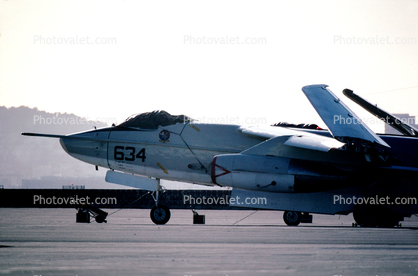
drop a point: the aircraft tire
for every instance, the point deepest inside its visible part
(292, 218)
(388, 219)
(372, 216)
(365, 215)
(160, 214)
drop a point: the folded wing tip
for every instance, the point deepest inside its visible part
(307, 87)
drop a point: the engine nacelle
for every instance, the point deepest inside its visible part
(250, 172)
(274, 174)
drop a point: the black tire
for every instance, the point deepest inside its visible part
(373, 216)
(390, 222)
(365, 215)
(160, 214)
(292, 218)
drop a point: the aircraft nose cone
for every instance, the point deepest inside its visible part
(86, 147)
(78, 148)
(62, 142)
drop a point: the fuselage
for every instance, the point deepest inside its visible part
(181, 152)
(185, 151)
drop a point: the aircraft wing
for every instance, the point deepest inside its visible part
(396, 123)
(294, 138)
(341, 121)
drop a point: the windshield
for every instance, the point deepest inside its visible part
(154, 119)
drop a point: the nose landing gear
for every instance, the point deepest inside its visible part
(160, 214)
(293, 218)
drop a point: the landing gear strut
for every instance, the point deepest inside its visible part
(160, 214)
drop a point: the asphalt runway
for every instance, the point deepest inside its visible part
(50, 242)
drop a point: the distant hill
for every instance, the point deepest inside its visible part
(38, 162)
(33, 158)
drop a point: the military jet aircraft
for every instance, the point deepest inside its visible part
(345, 169)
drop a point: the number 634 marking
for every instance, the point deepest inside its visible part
(128, 153)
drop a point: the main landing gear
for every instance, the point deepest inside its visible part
(160, 214)
(368, 215)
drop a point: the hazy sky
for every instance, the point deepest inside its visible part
(225, 61)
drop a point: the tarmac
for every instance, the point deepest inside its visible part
(232, 242)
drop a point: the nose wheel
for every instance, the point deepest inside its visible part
(160, 214)
(292, 218)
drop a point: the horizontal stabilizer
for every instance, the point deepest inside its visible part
(341, 121)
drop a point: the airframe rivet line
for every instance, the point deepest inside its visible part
(161, 166)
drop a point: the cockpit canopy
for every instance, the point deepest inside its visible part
(154, 119)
